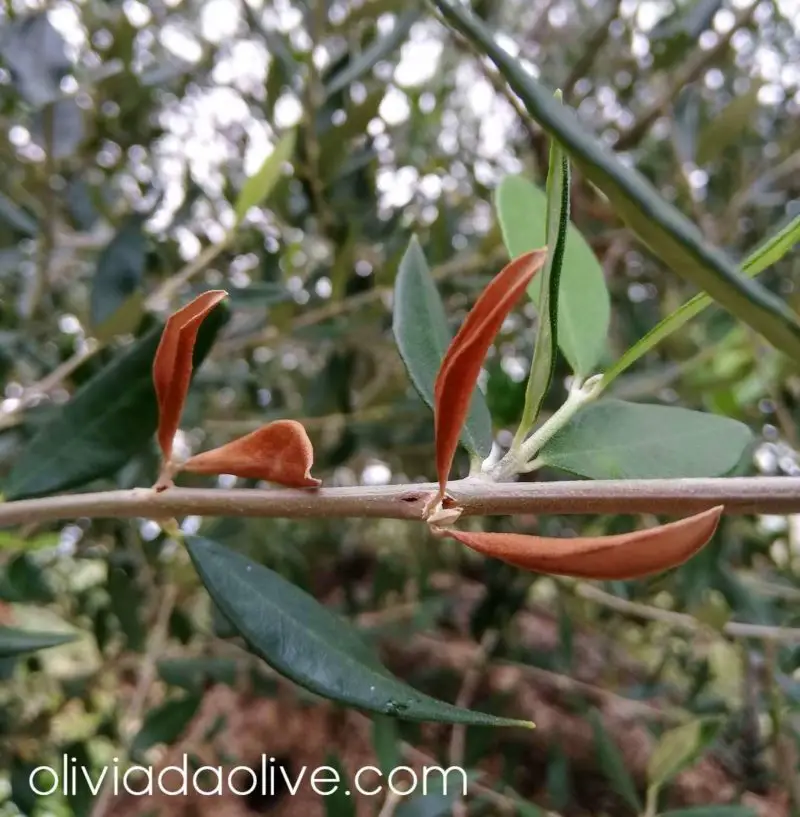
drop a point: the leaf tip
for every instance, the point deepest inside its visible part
(172, 364)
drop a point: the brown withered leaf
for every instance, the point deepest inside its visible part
(277, 452)
(172, 365)
(462, 362)
(624, 556)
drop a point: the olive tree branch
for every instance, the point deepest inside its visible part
(477, 496)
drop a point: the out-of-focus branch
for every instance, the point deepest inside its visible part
(326, 312)
(469, 686)
(682, 621)
(689, 70)
(147, 675)
(591, 50)
(161, 298)
(41, 273)
(372, 414)
(158, 300)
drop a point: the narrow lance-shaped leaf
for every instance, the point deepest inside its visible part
(116, 302)
(277, 452)
(679, 747)
(110, 419)
(462, 361)
(311, 645)
(613, 764)
(17, 218)
(263, 181)
(81, 796)
(172, 365)
(603, 558)
(18, 642)
(674, 35)
(765, 255)
(164, 724)
(584, 306)
(420, 330)
(340, 802)
(34, 53)
(59, 128)
(660, 225)
(544, 352)
(686, 120)
(772, 249)
(386, 743)
(378, 50)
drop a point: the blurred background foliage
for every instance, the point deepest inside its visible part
(127, 130)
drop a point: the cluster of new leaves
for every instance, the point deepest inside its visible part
(277, 452)
(624, 556)
(455, 395)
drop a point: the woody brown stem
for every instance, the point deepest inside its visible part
(477, 497)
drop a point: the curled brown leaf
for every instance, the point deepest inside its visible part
(277, 452)
(624, 556)
(172, 365)
(462, 362)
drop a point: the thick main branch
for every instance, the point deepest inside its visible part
(778, 495)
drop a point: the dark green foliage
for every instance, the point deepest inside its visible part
(309, 644)
(422, 336)
(17, 642)
(109, 420)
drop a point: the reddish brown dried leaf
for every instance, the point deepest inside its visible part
(172, 365)
(626, 556)
(462, 361)
(277, 452)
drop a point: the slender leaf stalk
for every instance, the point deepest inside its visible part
(521, 460)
